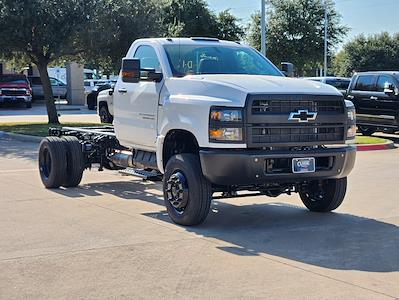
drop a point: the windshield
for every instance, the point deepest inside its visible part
(13, 79)
(196, 59)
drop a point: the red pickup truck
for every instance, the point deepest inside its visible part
(15, 88)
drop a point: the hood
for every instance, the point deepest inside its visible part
(232, 90)
(268, 84)
(13, 85)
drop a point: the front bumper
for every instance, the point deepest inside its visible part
(15, 99)
(252, 167)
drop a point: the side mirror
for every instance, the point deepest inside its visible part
(151, 75)
(130, 70)
(287, 69)
(389, 88)
(111, 91)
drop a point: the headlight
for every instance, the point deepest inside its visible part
(225, 124)
(226, 114)
(225, 134)
(351, 133)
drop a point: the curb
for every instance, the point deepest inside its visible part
(20, 137)
(373, 147)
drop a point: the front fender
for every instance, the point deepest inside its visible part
(192, 114)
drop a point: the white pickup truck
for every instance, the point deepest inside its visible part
(213, 119)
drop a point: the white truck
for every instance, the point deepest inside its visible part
(213, 119)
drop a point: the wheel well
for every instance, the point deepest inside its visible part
(179, 141)
(102, 103)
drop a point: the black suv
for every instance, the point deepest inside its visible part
(376, 98)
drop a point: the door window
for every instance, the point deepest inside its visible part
(365, 83)
(341, 84)
(382, 81)
(148, 58)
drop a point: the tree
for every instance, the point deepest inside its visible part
(188, 18)
(228, 26)
(378, 52)
(115, 25)
(254, 31)
(42, 31)
(295, 32)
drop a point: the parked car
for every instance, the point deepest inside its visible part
(90, 84)
(59, 88)
(340, 83)
(91, 98)
(15, 89)
(376, 98)
(105, 105)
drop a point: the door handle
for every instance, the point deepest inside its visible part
(122, 90)
(373, 98)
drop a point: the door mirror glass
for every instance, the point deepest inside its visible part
(130, 70)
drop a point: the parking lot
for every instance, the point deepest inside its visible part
(111, 238)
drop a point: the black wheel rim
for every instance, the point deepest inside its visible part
(45, 163)
(317, 191)
(177, 192)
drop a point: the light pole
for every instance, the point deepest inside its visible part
(325, 37)
(263, 28)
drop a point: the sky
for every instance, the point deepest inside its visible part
(362, 16)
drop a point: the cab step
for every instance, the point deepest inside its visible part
(144, 174)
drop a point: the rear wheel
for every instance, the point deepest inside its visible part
(105, 116)
(52, 162)
(187, 193)
(74, 160)
(324, 195)
(366, 130)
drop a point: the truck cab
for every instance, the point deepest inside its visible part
(217, 119)
(376, 98)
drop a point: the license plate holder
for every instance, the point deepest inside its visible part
(303, 165)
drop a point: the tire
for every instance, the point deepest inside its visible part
(105, 116)
(366, 130)
(187, 193)
(325, 195)
(75, 161)
(52, 162)
(28, 104)
(91, 102)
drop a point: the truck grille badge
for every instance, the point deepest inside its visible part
(302, 116)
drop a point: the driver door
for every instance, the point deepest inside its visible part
(137, 105)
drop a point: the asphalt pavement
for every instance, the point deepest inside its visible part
(111, 238)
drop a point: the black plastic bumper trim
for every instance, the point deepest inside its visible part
(247, 167)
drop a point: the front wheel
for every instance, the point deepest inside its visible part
(324, 195)
(187, 193)
(105, 116)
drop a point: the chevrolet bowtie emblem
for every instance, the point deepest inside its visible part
(302, 116)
